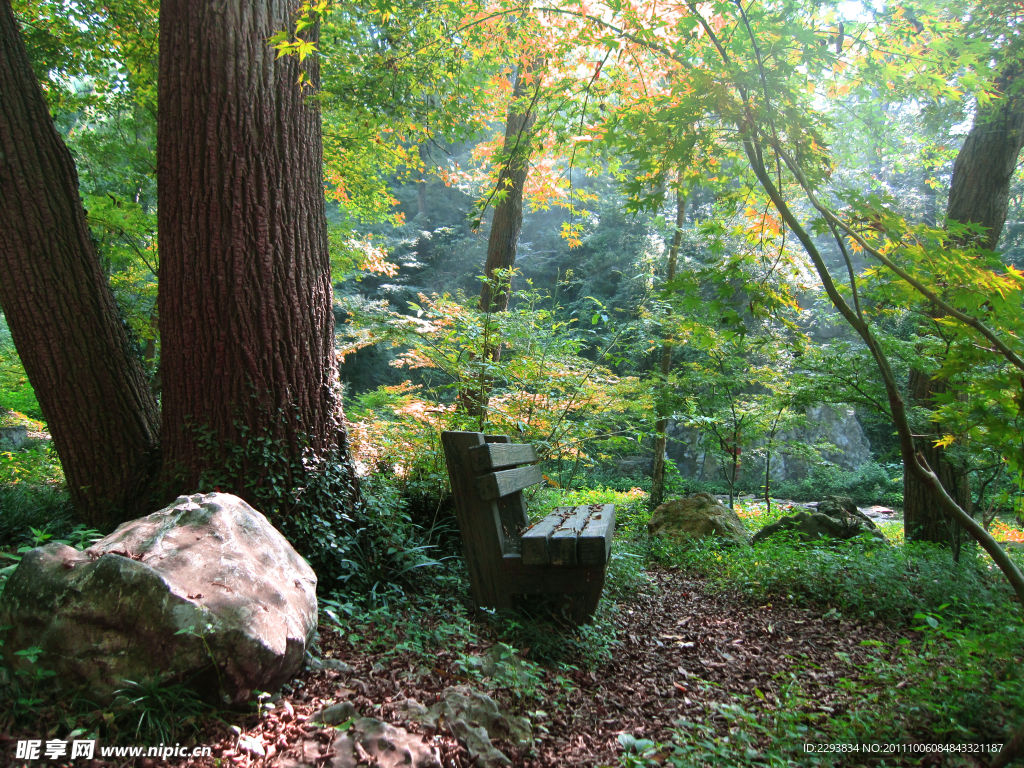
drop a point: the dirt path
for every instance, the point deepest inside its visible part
(683, 650)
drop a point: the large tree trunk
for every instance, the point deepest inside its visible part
(979, 194)
(661, 438)
(245, 293)
(75, 348)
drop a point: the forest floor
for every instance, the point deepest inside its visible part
(684, 652)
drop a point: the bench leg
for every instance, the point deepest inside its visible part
(576, 589)
(583, 605)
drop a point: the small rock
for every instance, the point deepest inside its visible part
(478, 742)
(336, 665)
(410, 709)
(475, 718)
(252, 746)
(372, 742)
(335, 714)
(835, 517)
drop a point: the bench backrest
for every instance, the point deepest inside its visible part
(488, 476)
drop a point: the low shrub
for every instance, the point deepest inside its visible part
(870, 483)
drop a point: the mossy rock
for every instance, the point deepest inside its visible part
(697, 517)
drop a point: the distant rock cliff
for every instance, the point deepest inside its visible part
(832, 424)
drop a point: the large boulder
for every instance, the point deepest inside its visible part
(697, 517)
(205, 592)
(836, 517)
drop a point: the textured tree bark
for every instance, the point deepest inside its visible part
(979, 194)
(76, 350)
(661, 439)
(245, 294)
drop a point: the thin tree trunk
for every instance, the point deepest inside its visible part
(979, 194)
(75, 347)
(661, 438)
(245, 292)
(506, 224)
(508, 213)
(421, 186)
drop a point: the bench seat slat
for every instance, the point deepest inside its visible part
(595, 542)
(494, 485)
(500, 455)
(535, 540)
(562, 544)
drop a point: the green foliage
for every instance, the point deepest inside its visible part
(16, 394)
(94, 54)
(34, 505)
(371, 550)
(34, 465)
(890, 584)
(543, 390)
(870, 483)
(152, 713)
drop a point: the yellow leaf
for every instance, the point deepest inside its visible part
(945, 441)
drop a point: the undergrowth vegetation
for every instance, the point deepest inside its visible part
(392, 580)
(953, 676)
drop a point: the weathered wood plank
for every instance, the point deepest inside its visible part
(500, 455)
(562, 544)
(595, 540)
(566, 554)
(534, 543)
(479, 523)
(547, 579)
(494, 485)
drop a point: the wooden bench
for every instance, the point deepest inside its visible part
(565, 554)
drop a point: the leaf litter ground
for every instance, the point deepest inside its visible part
(683, 651)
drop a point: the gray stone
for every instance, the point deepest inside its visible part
(411, 710)
(697, 517)
(204, 592)
(336, 665)
(836, 517)
(13, 437)
(829, 425)
(475, 718)
(252, 746)
(373, 742)
(335, 714)
(478, 743)
(501, 663)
